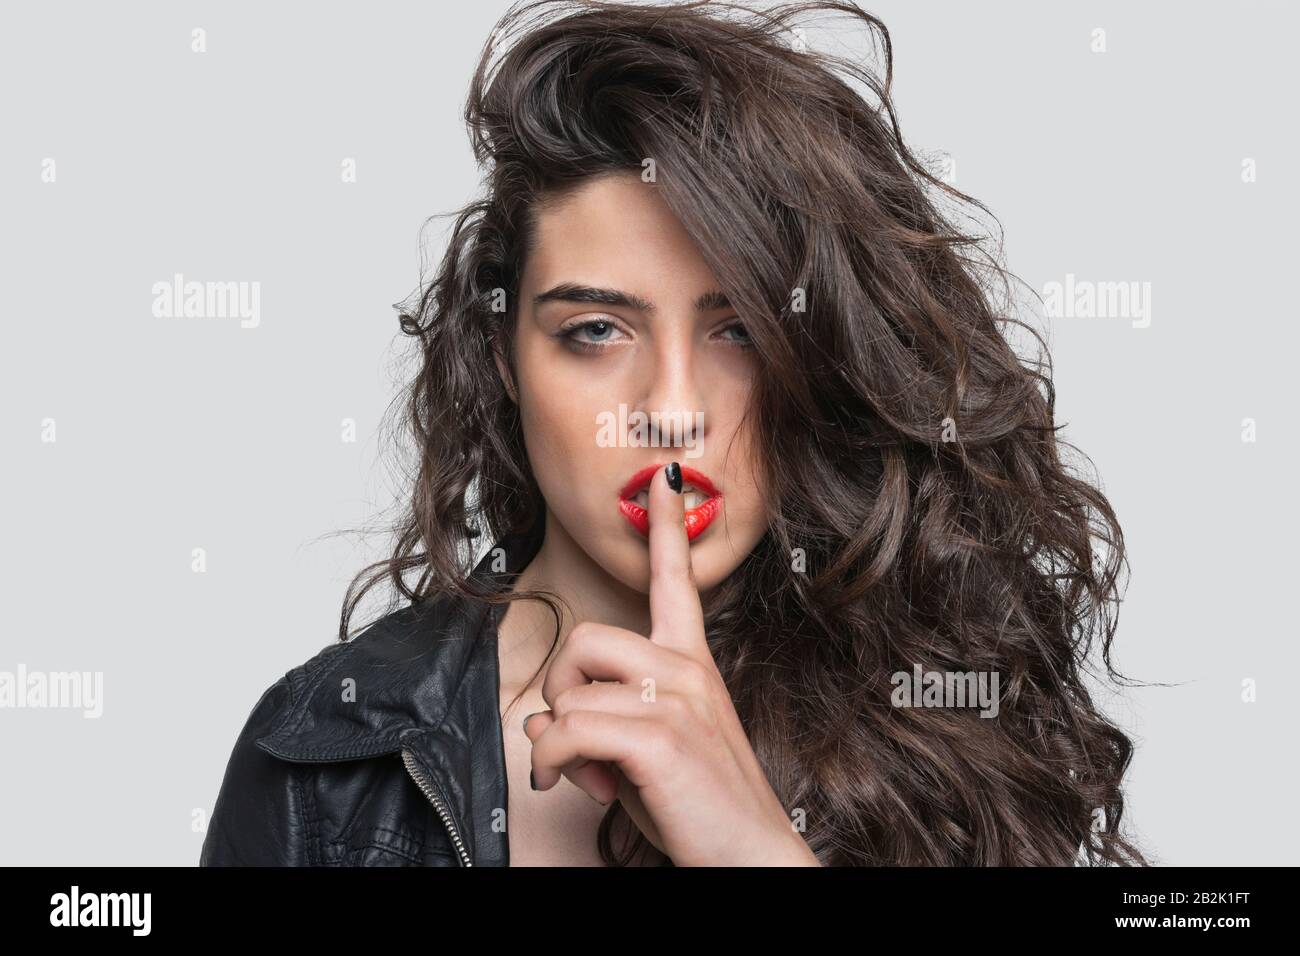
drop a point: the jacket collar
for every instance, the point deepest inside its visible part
(401, 684)
(401, 674)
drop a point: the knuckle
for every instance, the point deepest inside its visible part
(672, 707)
(661, 742)
(582, 638)
(696, 679)
(548, 690)
(671, 569)
(573, 721)
(563, 702)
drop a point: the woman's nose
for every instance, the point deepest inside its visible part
(672, 399)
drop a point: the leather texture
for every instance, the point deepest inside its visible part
(386, 750)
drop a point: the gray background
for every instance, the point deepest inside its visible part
(182, 433)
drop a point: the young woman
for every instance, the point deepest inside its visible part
(721, 445)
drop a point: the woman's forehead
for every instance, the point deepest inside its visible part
(616, 232)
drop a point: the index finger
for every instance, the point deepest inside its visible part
(676, 618)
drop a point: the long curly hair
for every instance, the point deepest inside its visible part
(923, 513)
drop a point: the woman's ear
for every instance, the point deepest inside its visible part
(503, 370)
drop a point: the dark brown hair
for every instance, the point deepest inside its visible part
(911, 456)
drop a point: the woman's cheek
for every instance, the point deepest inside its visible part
(560, 438)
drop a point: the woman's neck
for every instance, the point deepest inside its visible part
(527, 630)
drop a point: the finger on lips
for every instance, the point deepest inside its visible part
(676, 618)
(604, 725)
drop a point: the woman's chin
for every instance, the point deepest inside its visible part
(630, 565)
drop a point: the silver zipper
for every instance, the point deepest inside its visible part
(427, 788)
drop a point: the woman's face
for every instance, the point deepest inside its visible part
(627, 358)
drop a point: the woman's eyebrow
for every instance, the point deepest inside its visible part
(572, 292)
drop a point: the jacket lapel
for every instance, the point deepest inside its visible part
(424, 678)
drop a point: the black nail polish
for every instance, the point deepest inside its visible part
(532, 781)
(674, 473)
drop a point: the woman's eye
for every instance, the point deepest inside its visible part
(742, 338)
(596, 331)
(590, 335)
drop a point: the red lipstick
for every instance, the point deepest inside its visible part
(697, 518)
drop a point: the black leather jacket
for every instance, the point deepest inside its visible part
(385, 750)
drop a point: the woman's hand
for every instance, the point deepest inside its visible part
(651, 722)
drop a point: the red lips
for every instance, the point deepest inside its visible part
(697, 519)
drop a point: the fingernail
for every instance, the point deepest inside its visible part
(528, 718)
(674, 473)
(532, 781)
